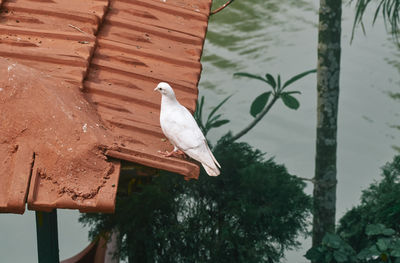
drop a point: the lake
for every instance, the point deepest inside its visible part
(278, 37)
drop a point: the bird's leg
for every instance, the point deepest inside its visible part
(167, 153)
(179, 152)
(175, 152)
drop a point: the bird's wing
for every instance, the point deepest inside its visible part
(203, 154)
(180, 128)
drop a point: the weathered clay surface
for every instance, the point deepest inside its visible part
(115, 51)
(50, 130)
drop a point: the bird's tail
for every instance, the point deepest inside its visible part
(204, 155)
(212, 156)
(211, 171)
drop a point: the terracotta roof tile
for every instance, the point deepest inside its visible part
(14, 178)
(140, 44)
(116, 52)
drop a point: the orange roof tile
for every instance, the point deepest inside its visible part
(115, 51)
(140, 44)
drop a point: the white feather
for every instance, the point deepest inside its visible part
(182, 131)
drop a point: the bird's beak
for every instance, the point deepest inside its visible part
(156, 89)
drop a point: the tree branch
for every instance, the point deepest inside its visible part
(256, 120)
(306, 179)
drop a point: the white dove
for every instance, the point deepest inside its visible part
(182, 131)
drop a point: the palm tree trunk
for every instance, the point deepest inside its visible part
(328, 94)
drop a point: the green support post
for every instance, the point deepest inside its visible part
(47, 237)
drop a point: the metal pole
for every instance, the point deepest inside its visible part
(47, 237)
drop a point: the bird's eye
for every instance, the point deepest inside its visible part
(160, 88)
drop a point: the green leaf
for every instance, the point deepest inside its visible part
(199, 109)
(328, 258)
(382, 244)
(331, 240)
(217, 107)
(213, 119)
(198, 113)
(279, 82)
(293, 92)
(388, 232)
(377, 12)
(271, 80)
(396, 253)
(340, 256)
(366, 253)
(248, 75)
(374, 229)
(395, 245)
(313, 254)
(290, 101)
(259, 103)
(297, 77)
(219, 123)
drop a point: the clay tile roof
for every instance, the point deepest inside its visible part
(77, 86)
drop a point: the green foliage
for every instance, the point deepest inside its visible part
(371, 229)
(146, 219)
(380, 204)
(261, 102)
(332, 249)
(383, 246)
(390, 10)
(213, 121)
(252, 212)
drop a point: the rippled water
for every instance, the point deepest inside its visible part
(279, 36)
